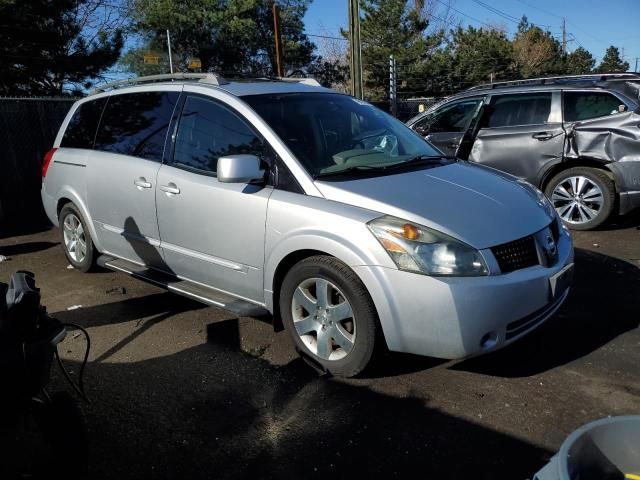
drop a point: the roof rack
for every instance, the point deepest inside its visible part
(594, 77)
(209, 78)
(303, 80)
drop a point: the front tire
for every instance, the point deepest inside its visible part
(76, 240)
(329, 315)
(583, 197)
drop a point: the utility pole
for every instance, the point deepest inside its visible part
(393, 82)
(355, 49)
(169, 45)
(278, 40)
(636, 69)
(564, 37)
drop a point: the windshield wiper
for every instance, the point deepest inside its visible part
(412, 162)
(350, 170)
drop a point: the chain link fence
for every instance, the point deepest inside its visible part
(28, 127)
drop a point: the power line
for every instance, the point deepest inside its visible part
(328, 37)
(508, 16)
(559, 16)
(462, 13)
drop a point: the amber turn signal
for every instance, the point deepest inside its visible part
(410, 232)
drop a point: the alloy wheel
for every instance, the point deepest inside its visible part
(75, 240)
(577, 199)
(323, 319)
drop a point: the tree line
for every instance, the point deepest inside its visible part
(56, 47)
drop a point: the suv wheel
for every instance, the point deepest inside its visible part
(583, 197)
(76, 241)
(329, 314)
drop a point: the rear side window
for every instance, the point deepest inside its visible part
(585, 105)
(207, 131)
(81, 130)
(136, 124)
(524, 109)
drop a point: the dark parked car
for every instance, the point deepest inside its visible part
(576, 138)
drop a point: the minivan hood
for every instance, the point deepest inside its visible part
(475, 204)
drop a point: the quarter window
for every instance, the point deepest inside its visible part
(81, 130)
(136, 124)
(585, 105)
(208, 131)
(524, 109)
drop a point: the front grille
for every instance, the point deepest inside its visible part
(515, 255)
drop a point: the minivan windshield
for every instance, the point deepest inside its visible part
(330, 133)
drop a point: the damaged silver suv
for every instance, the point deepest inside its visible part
(576, 138)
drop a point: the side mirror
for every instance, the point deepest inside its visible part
(239, 169)
(422, 130)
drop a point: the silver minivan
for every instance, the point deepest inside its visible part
(288, 198)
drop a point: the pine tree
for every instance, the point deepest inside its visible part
(227, 36)
(612, 62)
(49, 47)
(392, 27)
(578, 62)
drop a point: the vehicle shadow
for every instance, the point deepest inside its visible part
(211, 411)
(603, 304)
(26, 247)
(151, 305)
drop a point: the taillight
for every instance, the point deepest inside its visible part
(47, 160)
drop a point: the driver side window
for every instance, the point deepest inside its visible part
(454, 118)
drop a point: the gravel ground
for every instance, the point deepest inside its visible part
(180, 390)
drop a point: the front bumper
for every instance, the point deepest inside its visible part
(459, 317)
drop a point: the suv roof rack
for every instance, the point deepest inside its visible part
(210, 78)
(594, 77)
(303, 80)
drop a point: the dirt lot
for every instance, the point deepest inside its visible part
(184, 391)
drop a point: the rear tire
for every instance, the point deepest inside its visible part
(329, 315)
(584, 197)
(76, 239)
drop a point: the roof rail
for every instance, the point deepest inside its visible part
(210, 78)
(595, 77)
(303, 80)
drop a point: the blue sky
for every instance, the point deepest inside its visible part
(594, 25)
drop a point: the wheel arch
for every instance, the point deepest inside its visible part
(295, 249)
(566, 164)
(278, 276)
(69, 196)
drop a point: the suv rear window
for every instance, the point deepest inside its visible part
(524, 109)
(136, 124)
(585, 105)
(81, 130)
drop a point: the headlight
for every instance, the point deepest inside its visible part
(419, 249)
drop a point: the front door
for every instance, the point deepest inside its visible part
(520, 133)
(122, 171)
(445, 127)
(212, 232)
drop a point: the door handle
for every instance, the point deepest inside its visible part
(453, 145)
(171, 189)
(543, 136)
(141, 182)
